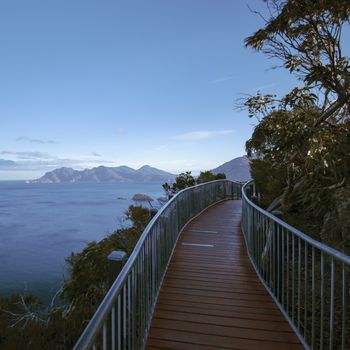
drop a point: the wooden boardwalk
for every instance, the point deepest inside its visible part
(211, 297)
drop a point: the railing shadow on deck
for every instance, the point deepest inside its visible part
(123, 318)
(308, 280)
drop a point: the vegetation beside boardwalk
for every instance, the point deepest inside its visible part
(186, 179)
(300, 155)
(300, 148)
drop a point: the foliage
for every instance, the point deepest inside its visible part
(207, 176)
(186, 179)
(270, 179)
(26, 324)
(303, 168)
(139, 216)
(19, 314)
(182, 181)
(300, 149)
(306, 36)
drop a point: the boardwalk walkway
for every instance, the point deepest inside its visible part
(211, 297)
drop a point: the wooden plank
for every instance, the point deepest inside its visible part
(225, 331)
(217, 294)
(176, 345)
(224, 321)
(202, 274)
(219, 341)
(220, 287)
(221, 301)
(212, 277)
(235, 312)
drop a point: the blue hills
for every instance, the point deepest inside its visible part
(105, 174)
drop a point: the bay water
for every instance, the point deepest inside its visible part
(41, 224)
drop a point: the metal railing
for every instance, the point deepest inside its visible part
(123, 318)
(307, 279)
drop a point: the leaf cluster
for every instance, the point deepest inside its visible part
(186, 179)
(307, 37)
(182, 181)
(302, 169)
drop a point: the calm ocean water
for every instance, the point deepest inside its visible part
(41, 224)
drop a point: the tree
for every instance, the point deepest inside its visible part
(306, 36)
(182, 181)
(301, 145)
(186, 179)
(206, 176)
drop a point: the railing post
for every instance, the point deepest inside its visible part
(116, 261)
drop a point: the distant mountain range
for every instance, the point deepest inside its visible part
(236, 169)
(106, 174)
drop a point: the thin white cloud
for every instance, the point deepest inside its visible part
(222, 79)
(264, 87)
(120, 131)
(201, 135)
(95, 154)
(161, 148)
(38, 141)
(28, 155)
(38, 161)
(177, 166)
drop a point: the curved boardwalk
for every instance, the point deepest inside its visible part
(211, 297)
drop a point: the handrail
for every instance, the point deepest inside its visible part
(123, 318)
(307, 279)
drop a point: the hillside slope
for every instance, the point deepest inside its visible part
(236, 169)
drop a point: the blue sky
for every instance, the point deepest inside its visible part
(85, 83)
